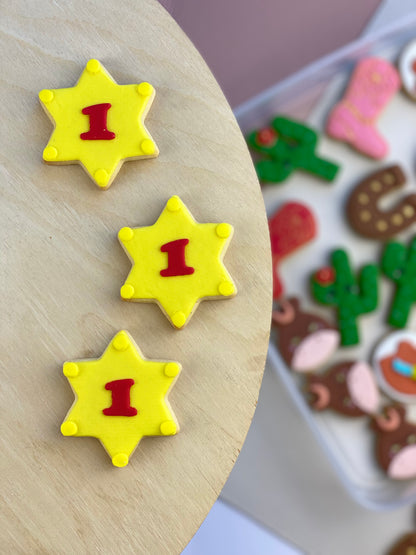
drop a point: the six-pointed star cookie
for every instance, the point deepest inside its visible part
(120, 398)
(98, 124)
(177, 262)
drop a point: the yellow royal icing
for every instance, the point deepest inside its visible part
(98, 124)
(188, 253)
(120, 398)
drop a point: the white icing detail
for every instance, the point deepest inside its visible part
(362, 387)
(315, 350)
(403, 466)
(408, 75)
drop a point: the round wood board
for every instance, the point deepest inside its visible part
(62, 271)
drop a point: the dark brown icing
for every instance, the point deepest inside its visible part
(305, 340)
(364, 213)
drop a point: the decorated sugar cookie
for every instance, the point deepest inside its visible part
(289, 145)
(353, 120)
(394, 361)
(365, 214)
(120, 398)
(348, 388)
(291, 227)
(407, 68)
(399, 265)
(177, 262)
(336, 286)
(98, 124)
(305, 341)
(395, 443)
(406, 545)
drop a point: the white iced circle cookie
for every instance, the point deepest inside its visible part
(407, 68)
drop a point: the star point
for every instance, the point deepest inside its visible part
(177, 262)
(98, 124)
(120, 398)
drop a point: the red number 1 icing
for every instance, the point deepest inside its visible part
(176, 259)
(120, 392)
(98, 123)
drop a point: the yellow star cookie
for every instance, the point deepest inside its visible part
(120, 398)
(98, 124)
(177, 262)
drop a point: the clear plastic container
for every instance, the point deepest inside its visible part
(308, 96)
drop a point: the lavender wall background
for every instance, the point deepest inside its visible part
(252, 44)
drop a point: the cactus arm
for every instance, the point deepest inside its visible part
(292, 130)
(324, 294)
(400, 307)
(399, 264)
(318, 166)
(393, 260)
(252, 142)
(273, 171)
(368, 283)
(342, 267)
(412, 252)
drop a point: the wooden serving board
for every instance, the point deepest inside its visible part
(62, 268)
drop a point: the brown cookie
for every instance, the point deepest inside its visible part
(348, 388)
(405, 546)
(363, 211)
(395, 443)
(305, 340)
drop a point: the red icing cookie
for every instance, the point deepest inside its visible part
(291, 227)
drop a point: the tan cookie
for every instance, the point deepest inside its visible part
(363, 211)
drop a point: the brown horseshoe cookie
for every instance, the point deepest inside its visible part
(364, 214)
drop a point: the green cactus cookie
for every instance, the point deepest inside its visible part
(288, 145)
(337, 286)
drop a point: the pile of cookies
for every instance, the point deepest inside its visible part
(378, 388)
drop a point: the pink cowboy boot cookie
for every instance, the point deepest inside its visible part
(353, 120)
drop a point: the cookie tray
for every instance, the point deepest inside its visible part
(308, 96)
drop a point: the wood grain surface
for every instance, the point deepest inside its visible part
(62, 268)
